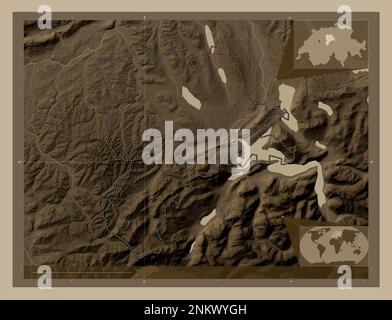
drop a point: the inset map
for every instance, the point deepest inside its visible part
(326, 45)
(338, 245)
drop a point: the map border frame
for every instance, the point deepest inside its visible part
(266, 278)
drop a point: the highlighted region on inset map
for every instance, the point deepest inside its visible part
(324, 43)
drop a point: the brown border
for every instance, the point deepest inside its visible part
(291, 279)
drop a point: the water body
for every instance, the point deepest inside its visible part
(192, 246)
(290, 170)
(286, 94)
(210, 39)
(264, 154)
(326, 108)
(257, 152)
(241, 164)
(320, 145)
(190, 98)
(207, 219)
(360, 70)
(222, 75)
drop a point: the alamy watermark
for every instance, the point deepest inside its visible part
(182, 147)
(45, 280)
(345, 280)
(45, 20)
(345, 20)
